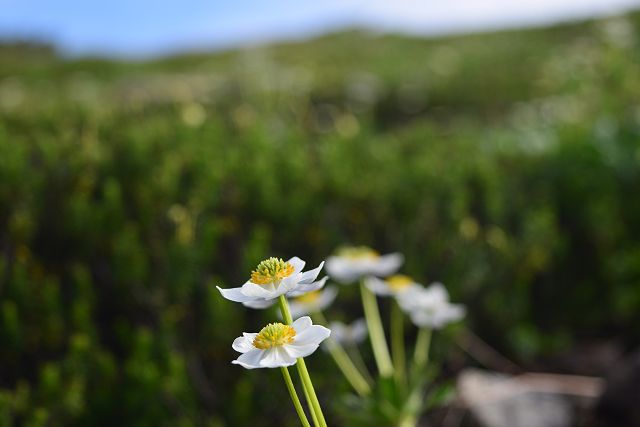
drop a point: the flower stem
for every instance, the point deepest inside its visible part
(421, 353)
(355, 355)
(376, 332)
(311, 411)
(306, 379)
(397, 345)
(407, 421)
(294, 397)
(344, 362)
(302, 370)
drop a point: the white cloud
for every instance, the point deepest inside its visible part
(455, 15)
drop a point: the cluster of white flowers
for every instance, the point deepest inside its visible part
(428, 307)
(277, 345)
(349, 334)
(350, 264)
(300, 293)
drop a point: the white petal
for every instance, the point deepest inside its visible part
(298, 350)
(258, 291)
(276, 357)
(327, 297)
(310, 276)
(287, 284)
(250, 359)
(299, 309)
(341, 270)
(438, 292)
(305, 288)
(388, 264)
(339, 332)
(235, 294)
(323, 301)
(359, 330)
(259, 304)
(449, 314)
(301, 324)
(244, 343)
(314, 334)
(297, 264)
(422, 319)
(377, 286)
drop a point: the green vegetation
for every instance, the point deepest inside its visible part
(505, 165)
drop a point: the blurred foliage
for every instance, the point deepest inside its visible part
(506, 165)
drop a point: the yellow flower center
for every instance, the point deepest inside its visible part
(399, 282)
(271, 270)
(357, 252)
(274, 335)
(309, 297)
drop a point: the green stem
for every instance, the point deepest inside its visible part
(302, 369)
(397, 345)
(306, 379)
(376, 332)
(421, 353)
(355, 355)
(407, 421)
(294, 397)
(344, 362)
(311, 411)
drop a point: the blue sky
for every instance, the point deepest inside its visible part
(151, 27)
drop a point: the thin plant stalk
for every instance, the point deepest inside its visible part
(311, 411)
(302, 369)
(294, 397)
(376, 332)
(421, 353)
(356, 356)
(344, 362)
(397, 345)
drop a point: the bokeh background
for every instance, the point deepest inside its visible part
(151, 151)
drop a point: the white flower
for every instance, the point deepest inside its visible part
(312, 302)
(352, 263)
(274, 277)
(391, 286)
(278, 345)
(430, 307)
(349, 335)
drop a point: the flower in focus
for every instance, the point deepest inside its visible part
(278, 345)
(274, 277)
(312, 302)
(349, 264)
(393, 285)
(430, 307)
(349, 335)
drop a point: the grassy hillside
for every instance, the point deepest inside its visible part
(506, 165)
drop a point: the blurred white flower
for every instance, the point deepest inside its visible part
(349, 335)
(391, 286)
(430, 307)
(278, 345)
(312, 302)
(352, 263)
(274, 277)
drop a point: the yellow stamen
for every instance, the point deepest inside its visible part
(357, 252)
(271, 270)
(273, 335)
(309, 297)
(399, 282)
